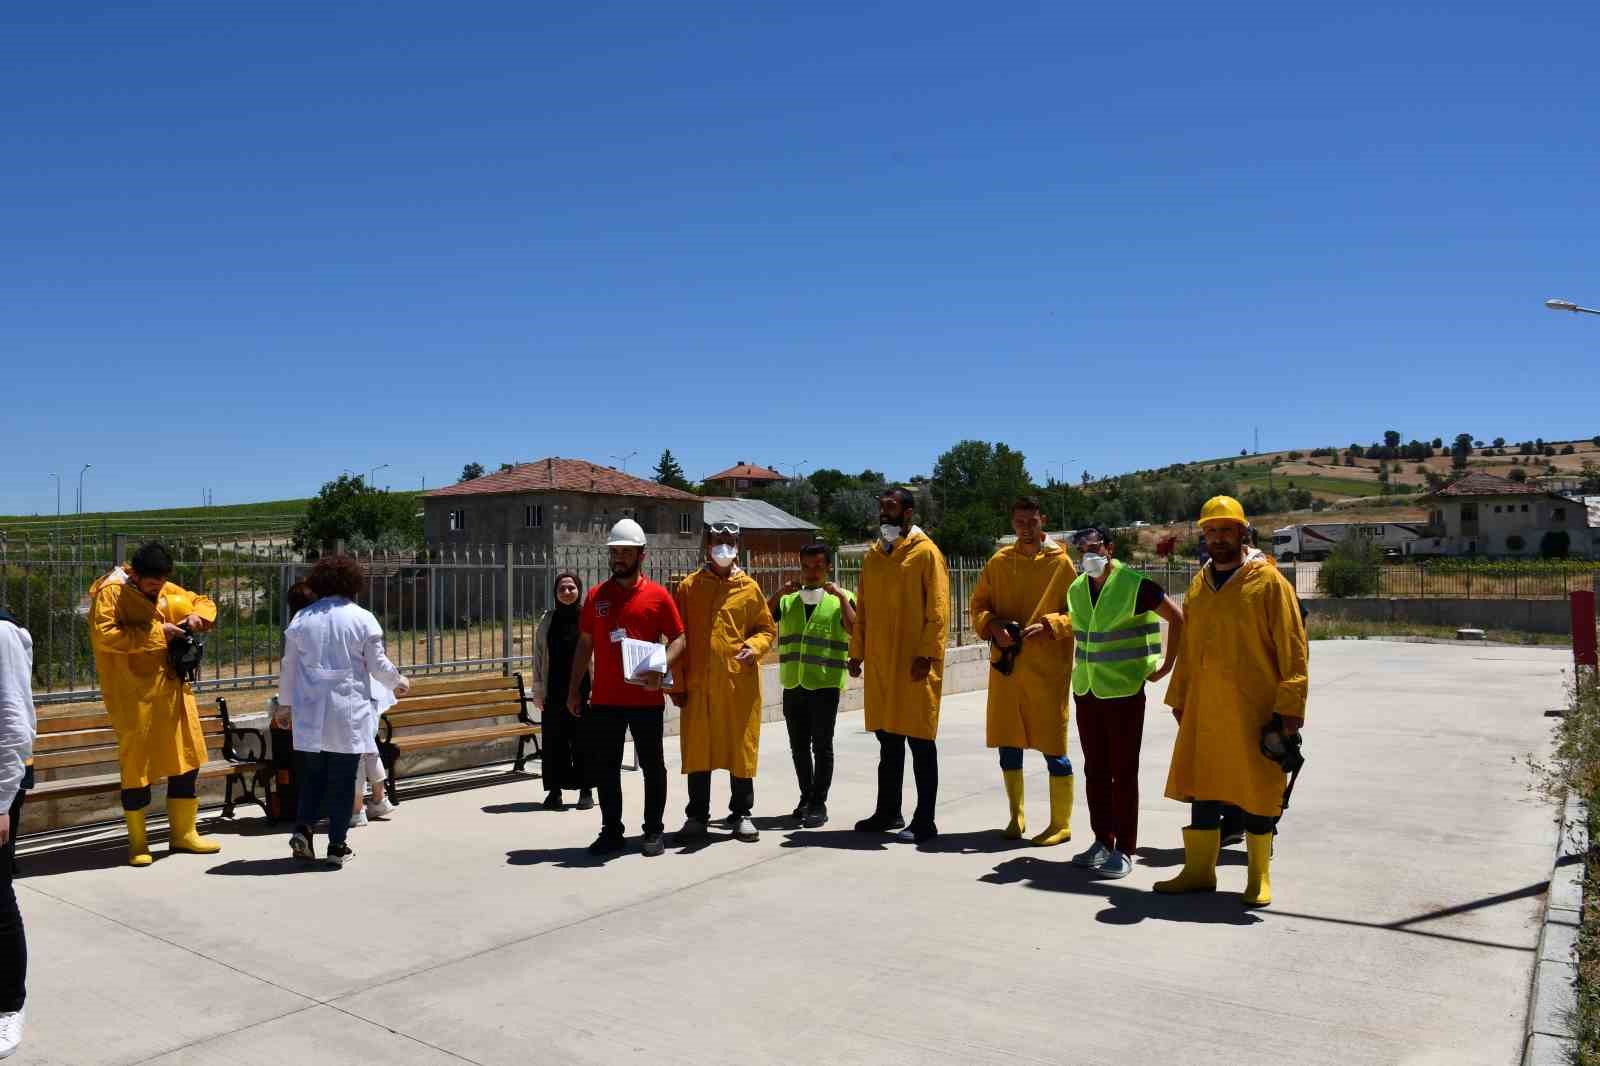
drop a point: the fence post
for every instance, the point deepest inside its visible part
(119, 549)
(511, 579)
(1583, 629)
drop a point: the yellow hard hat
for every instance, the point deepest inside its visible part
(1222, 509)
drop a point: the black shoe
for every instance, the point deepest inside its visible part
(339, 854)
(800, 811)
(552, 800)
(917, 834)
(607, 844)
(300, 844)
(585, 800)
(816, 816)
(653, 845)
(880, 823)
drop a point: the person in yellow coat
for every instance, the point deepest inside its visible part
(134, 611)
(1241, 673)
(1020, 607)
(902, 625)
(728, 629)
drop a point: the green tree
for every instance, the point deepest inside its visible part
(830, 482)
(1518, 475)
(797, 497)
(472, 472)
(1460, 450)
(352, 511)
(1391, 439)
(853, 512)
(669, 472)
(1351, 568)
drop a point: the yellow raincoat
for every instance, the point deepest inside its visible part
(1028, 709)
(153, 713)
(1243, 657)
(902, 613)
(719, 727)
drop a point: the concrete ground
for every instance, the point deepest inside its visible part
(473, 927)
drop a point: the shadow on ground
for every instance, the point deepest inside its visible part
(839, 840)
(286, 864)
(1128, 905)
(565, 858)
(1162, 858)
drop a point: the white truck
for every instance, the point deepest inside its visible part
(1314, 541)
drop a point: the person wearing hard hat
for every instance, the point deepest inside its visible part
(728, 630)
(134, 612)
(902, 625)
(627, 606)
(814, 619)
(1116, 619)
(1018, 607)
(1239, 690)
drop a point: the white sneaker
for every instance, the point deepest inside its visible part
(1116, 866)
(382, 809)
(358, 819)
(10, 1032)
(745, 830)
(1092, 859)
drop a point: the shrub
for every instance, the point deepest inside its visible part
(1351, 569)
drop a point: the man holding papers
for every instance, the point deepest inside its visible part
(628, 607)
(729, 630)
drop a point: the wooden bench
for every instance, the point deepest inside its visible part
(473, 706)
(73, 739)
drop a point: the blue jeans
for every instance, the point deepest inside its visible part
(327, 784)
(1058, 765)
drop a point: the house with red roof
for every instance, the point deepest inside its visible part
(741, 479)
(1481, 514)
(555, 502)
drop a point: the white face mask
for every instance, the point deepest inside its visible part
(890, 534)
(724, 554)
(811, 597)
(1094, 565)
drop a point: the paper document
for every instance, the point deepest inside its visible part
(640, 657)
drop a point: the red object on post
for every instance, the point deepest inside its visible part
(1583, 636)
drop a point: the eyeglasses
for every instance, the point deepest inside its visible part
(724, 527)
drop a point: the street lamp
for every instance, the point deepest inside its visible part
(1568, 305)
(623, 459)
(82, 472)
(794, 468)
(58, 505)
(372, 477)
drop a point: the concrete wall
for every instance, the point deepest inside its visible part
(1534, 616)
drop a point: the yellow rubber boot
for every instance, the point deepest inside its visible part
(1258, 889)
(138, 845)
(1199, 874)
(1059, 831)
(1019, 820)
(180, 816)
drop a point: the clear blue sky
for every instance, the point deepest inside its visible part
(247, 245)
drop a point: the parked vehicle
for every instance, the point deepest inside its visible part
(1314, 541)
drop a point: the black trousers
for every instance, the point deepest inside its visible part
(13, 940)
(180, 787)
(810, 715)
(562, 754)
(327, 783)
(892, 775)
(606, 729)
(1210, 814)
(741, 795)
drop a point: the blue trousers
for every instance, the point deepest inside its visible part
(327, 783)
(1058, 765)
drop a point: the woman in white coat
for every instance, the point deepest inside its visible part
(332, 657)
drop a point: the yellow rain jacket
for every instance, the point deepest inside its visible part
(1243, 657)
(719, 727)
(1028, 709)
(902, 613)
(153, 713)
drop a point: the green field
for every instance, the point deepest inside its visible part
(1256, 475)
(274, 518)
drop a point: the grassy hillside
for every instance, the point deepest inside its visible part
(246, 521)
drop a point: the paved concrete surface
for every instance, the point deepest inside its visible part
(474, 928)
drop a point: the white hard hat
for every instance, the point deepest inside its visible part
(626, 534)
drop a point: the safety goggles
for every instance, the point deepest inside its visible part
(731, 528)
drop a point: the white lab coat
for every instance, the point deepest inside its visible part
(333, 660)
(17, 722)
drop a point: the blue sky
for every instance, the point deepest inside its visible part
(248, 245)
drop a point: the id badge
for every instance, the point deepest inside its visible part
(618, 636)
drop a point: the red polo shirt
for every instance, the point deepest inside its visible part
(644, 612)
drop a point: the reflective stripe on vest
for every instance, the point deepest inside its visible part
(1116, 648)
(811, 652)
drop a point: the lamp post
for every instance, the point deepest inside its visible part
(1568, 305)
(82, 472)
(623, 459)
(372, 477)
(58, 505)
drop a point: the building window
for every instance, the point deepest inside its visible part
(1469, 512)
(1559, 515)
(458, 521)
(1497, 508)
(533, 516)
(742, 483)
(685, 522)
(1524, 508)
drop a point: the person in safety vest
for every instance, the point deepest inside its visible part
(1116, 620)
(134, 611)
(902, 625)
(1017, 606)
(814, 618)
(728, 629)
(1241, 675)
